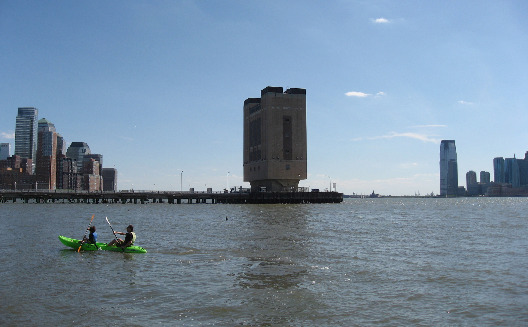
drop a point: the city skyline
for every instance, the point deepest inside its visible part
(386, 82)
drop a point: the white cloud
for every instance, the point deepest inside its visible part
(357, 94)
(416, 136)
(381, 20)
(9, 136)
(467, 103)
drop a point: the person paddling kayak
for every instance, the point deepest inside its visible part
(130, 238)
(92, 238)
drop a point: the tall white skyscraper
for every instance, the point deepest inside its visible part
(448, 168)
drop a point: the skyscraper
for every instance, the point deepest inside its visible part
(471, 183)
(485, 177)
(275, 147)
(448, 168)
(471, 178)
(46, 167)
(523, 169)
(511, 172)
(77, 151)
(498, 170)
(109, 179)
(26, 133)
(5, 148)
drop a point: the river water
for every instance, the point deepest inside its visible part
(364, 262)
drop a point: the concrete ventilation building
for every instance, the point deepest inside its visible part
(275, 149)
(26, 134)
(448, 168)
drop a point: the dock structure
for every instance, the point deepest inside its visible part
(143, 197)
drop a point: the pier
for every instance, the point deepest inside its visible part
(171, 197)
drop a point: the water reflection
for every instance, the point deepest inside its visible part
(275, 273)
(274, 247)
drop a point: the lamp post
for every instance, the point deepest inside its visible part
(227, 181)
(181, 181)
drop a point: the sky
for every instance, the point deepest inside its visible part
(157, 87)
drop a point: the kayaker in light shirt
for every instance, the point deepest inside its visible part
(130, 238)
(92, 238)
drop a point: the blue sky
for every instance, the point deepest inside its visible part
(158, 87)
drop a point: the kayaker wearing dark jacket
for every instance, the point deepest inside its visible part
(92, 238)
(130, 238)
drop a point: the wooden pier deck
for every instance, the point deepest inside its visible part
(142, 197)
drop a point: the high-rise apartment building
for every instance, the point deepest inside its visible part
(275, 149)
(46, 166)
(92, 180)
(471, 183)
(5, 149)
(448, 168)
(26, 133)
(485, 177)
(96, 157)
(471, 178)
(67, 177)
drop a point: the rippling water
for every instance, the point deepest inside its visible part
(430, 262)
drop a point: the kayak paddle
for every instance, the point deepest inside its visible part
(85, 233)
(113, 231)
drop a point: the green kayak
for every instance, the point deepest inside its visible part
(73, 243)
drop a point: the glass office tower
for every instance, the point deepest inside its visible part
(498, 170)
(77, 151)
(448, 168)
(5, 149)
(26, 134)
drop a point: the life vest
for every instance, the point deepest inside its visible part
(130, 237)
